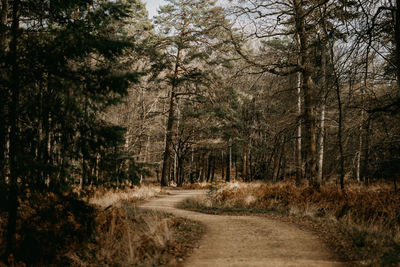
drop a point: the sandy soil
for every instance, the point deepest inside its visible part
(248, 240)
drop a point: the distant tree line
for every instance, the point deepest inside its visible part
(303, 89)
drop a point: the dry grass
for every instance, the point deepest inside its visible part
(106, 198)
(199, 185)
(129, 237)
(368, 216)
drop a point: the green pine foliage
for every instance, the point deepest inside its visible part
(68, 55)
(62, 65)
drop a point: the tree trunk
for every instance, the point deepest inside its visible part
(175, 176)
(205, 166)
(213, 169)
(14, 133)
(365, 151)
(180, 173)
(321, 143)
(222, 166)
(244, 170)
(308, 92)
(281, 155)
(277, 161)
(170, 124)
(340, 122)
(4, 102)
(361, 156)
(201, 167)
(236, 169)
(397, 41)
(228, 167)
(158, 174)
(230, 155)
(209, 168)
(271, 157)
(323, 107)
(250, 168)
(299, 162)
(358, 164)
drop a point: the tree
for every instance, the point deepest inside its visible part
(59, 71)
(296, 13)
(190, 31)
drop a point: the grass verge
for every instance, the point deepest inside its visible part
(361, 223)
(127, 236)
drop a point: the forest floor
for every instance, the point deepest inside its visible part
(248, 240)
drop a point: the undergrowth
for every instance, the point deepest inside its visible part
(129, 237)
(369, 217)
(48, 227)
(106, 197)
(105, 230)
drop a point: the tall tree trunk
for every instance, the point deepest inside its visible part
(202, 167)
(179, 175)
(360, 143)
(277, 161)
(299, 161)
(270, 158)
(397, 41)
(14, 132)
(362, 155)
(4, 97)
(170, 124)
(213, 169)
(308, 92)
(321, 142)
(250, 168)
(236, 169)
(365, 150)
(228, 166)
(279, 165)
(340, 121)
(230, 155)
(222, 166)
(175, 176)
(340, 134)
(244, 170)
(209, 163)
(323, 107)
(205, 166)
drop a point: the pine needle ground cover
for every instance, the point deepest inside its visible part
(105, 230)
(368, 218)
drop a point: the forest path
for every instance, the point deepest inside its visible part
(247, 240)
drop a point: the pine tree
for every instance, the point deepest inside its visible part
(58, 71)
(190, 31)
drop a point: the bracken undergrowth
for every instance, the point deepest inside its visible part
(105, 230)
(369, 217)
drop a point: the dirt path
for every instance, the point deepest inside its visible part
(247, 240)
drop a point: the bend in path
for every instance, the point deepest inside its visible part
(247, 240)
